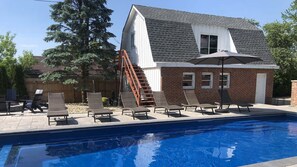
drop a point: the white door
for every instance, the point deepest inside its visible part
(260, 88)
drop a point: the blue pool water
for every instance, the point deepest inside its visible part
(216, 143)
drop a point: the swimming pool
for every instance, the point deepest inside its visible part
(226, 142)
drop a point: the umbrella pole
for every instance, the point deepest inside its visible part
(222, 84)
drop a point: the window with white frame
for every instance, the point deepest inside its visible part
(226, 81)
(207, 80)
(188, 80)
(133, 40)
(208, 44)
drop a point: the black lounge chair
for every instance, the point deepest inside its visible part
(36, 103)
(129, 103)
(11, 102)
(227, 101)
(3, 106)
(56, 106)
(162, 103)
(193, 102)
(96, 106)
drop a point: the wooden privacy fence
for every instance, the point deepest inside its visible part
(72, 94)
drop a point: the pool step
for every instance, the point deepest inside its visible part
(4, 152)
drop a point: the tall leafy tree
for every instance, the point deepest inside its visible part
(253, 22)
(7, 52)
(27, 60)
(81, 30)
(7, 46)
(282, 39)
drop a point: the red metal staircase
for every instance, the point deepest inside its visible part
(137, 81)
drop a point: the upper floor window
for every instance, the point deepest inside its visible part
(207, 80)
(208, 44)
(226, 81)
(133, 40)
(188, 80)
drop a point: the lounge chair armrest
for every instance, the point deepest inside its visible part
(185, 105)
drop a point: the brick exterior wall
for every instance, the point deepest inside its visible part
(294, 93)
(242, 84)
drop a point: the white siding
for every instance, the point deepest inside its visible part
(225, 41)
(141, 53)
(153, 76)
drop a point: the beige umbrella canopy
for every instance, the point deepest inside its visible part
(224, 57)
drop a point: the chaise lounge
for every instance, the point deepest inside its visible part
(36, 103)
(129, 104)
(56, 106)
(227, 101)
(192, 101)
(96, 106)
(162, 103)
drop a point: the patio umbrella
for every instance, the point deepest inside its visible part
(224, 57)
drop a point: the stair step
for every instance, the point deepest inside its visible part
(146, 89)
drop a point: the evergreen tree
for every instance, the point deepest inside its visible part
(81, 31)
(4, 80)
(19, 81)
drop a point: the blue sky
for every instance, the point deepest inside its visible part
(28, 19)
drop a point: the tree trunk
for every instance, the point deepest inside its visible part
(84, 74)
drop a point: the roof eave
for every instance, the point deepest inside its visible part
(245, 66)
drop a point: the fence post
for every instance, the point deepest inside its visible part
(294, 93)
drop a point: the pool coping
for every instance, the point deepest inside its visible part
(286, 162)
(147, 122)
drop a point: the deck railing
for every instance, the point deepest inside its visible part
(131, 76)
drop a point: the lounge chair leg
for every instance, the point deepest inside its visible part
(179, 113)
(122, 112)
(146, 115)
(88, 113)
(154, 109)
(48, 120)
(39, 108)
(248, 109)
(94, 118)
(133, 115)
(186, 108)
(66, 120)
(238, 108)
(167, 112)
(109, 117)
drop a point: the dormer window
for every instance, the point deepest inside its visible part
(208, 44)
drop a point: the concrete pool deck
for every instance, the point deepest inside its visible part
(28, 122)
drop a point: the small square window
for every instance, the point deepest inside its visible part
(226, 80)
(207, 80)
(188, 80)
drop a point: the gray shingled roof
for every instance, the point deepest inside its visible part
(253, 43)
(172, 38)
(171, 41)
(194, 18)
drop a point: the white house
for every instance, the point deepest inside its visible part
(161, 41)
